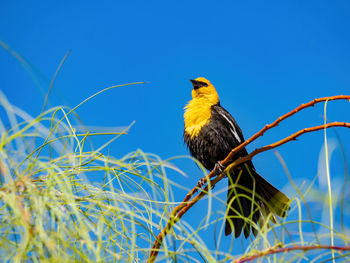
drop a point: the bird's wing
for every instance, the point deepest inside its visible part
(230, 123)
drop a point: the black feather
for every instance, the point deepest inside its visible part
(212, 144)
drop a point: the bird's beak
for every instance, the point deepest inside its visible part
(194, 82)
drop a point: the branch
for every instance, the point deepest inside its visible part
(288, 139)
(282, 118)
(248, 157)
(181, 209)
(261, 133)
(274, 250)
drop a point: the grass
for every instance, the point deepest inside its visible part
(50, 208)
(53, 207)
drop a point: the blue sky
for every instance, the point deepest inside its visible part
(264, 58)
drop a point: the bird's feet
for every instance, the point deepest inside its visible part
(202, 182)
(219, 168)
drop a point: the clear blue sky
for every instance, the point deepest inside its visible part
(264, 57)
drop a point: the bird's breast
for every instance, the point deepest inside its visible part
(197, 114)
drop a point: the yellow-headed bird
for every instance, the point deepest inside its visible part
(210, 134)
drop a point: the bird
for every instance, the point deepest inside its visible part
(211, 133)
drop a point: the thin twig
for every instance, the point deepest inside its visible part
(261, 133)
(275, 250)
(289, 138)
(280, 119)
(248, 157)
(181, 209)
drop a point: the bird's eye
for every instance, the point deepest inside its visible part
(202, 84)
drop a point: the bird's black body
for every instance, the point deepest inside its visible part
(213, 143)
(215, 140)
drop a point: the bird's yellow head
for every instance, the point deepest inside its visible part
(203, 89)
(198, 110)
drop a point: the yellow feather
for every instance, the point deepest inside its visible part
(198, 110)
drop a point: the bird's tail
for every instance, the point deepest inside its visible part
(250, 198)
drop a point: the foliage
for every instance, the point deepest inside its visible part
(62, 200)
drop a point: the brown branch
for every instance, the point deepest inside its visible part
(261, 133)
(280, 119)
(248, 157)
(181, 209)
(277, 250)
(288, 139)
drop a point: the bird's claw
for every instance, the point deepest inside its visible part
(219, 168)
(202, 182)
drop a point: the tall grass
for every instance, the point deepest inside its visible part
(62, 201)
